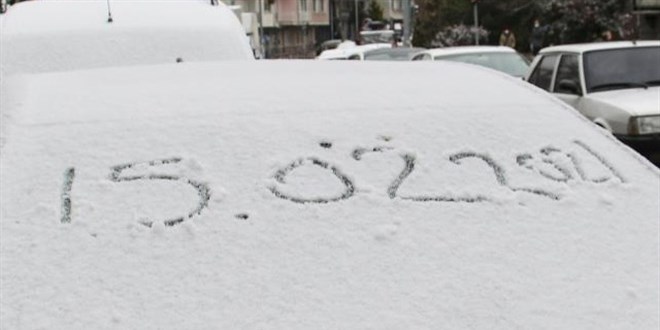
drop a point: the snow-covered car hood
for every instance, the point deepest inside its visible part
(309, 194)
(636, 101)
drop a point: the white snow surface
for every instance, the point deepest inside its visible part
(63, 35)
(250, 259)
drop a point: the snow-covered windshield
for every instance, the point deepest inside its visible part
(306, 194)
(510, 63)
(391, 54)
(622, 68)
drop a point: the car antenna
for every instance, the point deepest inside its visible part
(109, 12)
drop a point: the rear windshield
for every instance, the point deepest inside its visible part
(293, 194)
(621, 68)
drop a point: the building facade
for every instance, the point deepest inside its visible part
(289, 28)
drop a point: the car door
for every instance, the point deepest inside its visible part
(567, 84)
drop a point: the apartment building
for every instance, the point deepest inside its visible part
(291, 28)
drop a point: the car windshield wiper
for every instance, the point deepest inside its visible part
(653, 82)
(617, 85)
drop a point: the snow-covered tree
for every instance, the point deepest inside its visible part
(573, 21)
(458, 35)
(375, 11)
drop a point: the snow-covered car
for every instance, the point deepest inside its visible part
(329, 44)
(614, 84)
(141, 198)
(355, 53)
(500, 58)
(62, 35)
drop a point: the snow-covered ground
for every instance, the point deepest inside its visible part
(309, 194)
(62, 35)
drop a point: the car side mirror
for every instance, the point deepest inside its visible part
(568, 86)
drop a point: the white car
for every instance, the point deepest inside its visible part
(500, 58)
(616, 85)
(63, 35)
(355, 53)
(141, 198)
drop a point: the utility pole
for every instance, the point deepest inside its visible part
(389, 15)
(407, 20)
(331, 16)
(475, 6)
(357, 22)
(261, 29)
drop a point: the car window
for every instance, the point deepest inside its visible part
(568, 70)
(542, 75)
(622, 68)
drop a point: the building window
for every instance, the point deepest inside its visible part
(318, 6)
(268, 5)
(396, 5)
(303, 5)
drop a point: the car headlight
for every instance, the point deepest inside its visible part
(644, 125)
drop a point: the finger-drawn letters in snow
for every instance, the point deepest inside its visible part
(203, 190)
(116, 175)
(579, 162)
(550, 163)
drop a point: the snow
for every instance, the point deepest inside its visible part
(516, 213)
(62, 35)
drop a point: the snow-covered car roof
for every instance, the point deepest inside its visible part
(467, 50)
(165, 197)
(582, 48)
(60, 35)
(345, 52)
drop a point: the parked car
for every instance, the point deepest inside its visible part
(143, 198)
(500, 58)
(48, 36)
(391, 54)
(334, 44)
(326, 45)
(616, 85)
(354, 53)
